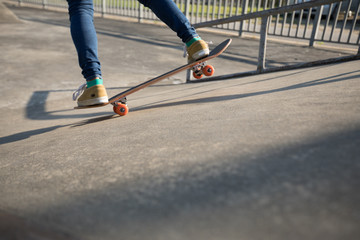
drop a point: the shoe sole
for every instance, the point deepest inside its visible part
(200, 54)
(96, 101)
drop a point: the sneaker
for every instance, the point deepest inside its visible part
(92, 93)
(197, 49)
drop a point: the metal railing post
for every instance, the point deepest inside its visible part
(141, 13)
(262, 45)
(103, 8)
(316, 25)
(188, 75)
(44, 4)
(245, 5)
(187, 9)
(187, 14)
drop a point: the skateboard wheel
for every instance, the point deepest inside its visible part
(197, 74)
(121, 109)
(208, 70)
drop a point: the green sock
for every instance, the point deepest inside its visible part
(94, 82)
(188, 44)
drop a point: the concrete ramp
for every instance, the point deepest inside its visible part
(7, 16)
(272, 156)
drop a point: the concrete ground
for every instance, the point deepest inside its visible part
(272, 156)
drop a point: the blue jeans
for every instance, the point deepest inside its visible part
(84, 36)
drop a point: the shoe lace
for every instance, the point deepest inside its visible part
(79, 91)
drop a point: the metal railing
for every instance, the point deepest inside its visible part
(336, 22)
(318, 20)
(266, 16)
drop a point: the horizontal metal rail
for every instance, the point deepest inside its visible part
(266, 13)
(282, 68)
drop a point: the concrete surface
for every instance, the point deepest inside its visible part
(272, 156)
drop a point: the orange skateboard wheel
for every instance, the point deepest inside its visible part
(197, 74)
(208, 70)
(121, 109)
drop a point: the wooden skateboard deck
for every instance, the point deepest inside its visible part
(117, 98)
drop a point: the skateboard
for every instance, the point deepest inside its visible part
(198, 67)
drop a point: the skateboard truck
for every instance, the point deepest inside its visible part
(122, 100)
(201, 69)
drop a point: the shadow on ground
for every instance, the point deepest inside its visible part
(35, 109)
(238, 195)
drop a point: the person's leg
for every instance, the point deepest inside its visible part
(84, 36)
(168, 12)
(85, 40)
